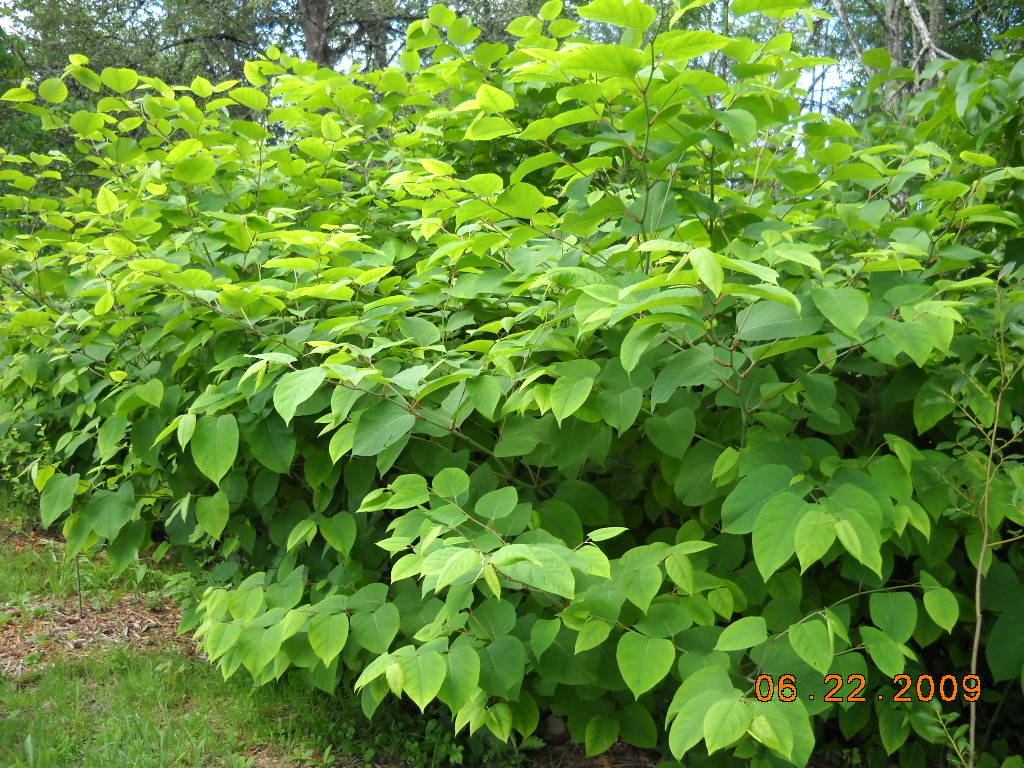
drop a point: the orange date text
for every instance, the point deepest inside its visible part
(851, 689)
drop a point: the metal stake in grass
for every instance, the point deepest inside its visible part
(78, 574)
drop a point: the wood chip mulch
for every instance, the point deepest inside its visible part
(29, 642)
(620, 755)
(34, 635)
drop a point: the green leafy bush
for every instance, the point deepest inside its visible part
(571, 377)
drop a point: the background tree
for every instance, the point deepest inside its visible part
(20, 133)
(177, 39)
(913, 32)
(174, 39)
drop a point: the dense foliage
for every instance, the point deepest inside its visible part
(571, 377)
(178, 39)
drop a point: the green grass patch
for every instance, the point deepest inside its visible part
(40, 571)
(123, 707)
(34, 568)
(150, 710)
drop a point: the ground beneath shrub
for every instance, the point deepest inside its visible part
(42, 632)
(36, 635)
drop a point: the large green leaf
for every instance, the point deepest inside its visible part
(119, 79)
(196, 169)
(769, 320)
(770, 726)
(493, 505)
(423, 674)
(123, 550)
(491, 99)
(339, 531)
(212, 513)
(672, 434)
(602, 732)
(688, 727)
(272, 444)
(636, 341)
(681, 45)
(812, 642)
(842, 306)
(488, 128)
(859, 538)
(617, 60)
(215, 445)
(295, 388)
(521, 199)
(328, 633)
(641, 584)
(451, 483)
(257, 646)
(53, 90)
(744, 503)
(932, 404)
(252, 98)
(893, 727)
(643, 661)
(303, 532)
(884, 651)
(622, 13)
(463, 675)
(741, 124)
(458, 566)
(501, 666)
(775, 531)
(542, 635)
(743, 633)
(110, 436)
(108, 512)
(536, 566)
(374, 630)
(57, 497)
(725, 722)
(815, 532)
(620, 408)
(1004, 648)
(569, 394)
(594, 633)
(941, 605)
(895, 613)
(380, 427)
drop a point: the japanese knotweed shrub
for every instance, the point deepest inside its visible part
(572, 377)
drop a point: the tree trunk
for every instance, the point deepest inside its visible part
(314, 16)
(895, 34)
(937, 21)
(376, 28)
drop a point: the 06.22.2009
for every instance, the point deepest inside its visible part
(923, 688)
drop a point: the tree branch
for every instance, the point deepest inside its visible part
(878, 14)
(841, 12)
(922, 30)
(221, 36)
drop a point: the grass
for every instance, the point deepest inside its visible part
(42, 572)
(151, 710)
(158, 709)
(125, 705)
